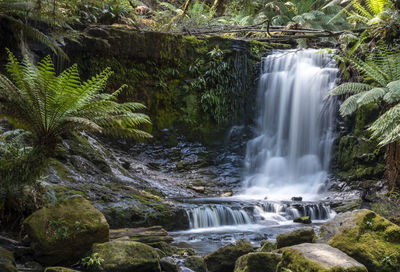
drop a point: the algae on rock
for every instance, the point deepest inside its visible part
(367, 237)
(127, 256)
(65, 232)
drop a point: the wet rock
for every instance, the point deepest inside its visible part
(227, 194)
(126, 256)
(195, 263)
(303, 220)
(7, 263)
(367, 237)
(31, 266)
(317, 258)
(65, 232)
(199, 189)
(168, 264)
(224, 259)
(145, 235)
(258, 262)
(166, 249)
(59, 269)
(267, 246)
(297, 198)
(304, 235)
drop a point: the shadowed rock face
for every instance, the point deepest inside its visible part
(318, 257)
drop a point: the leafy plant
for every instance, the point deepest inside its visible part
(19, 13)
(48, 105)
(92, 262)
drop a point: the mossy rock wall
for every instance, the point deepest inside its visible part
(355, 156)
(159, 69)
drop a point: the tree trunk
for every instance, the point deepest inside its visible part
(393, 166)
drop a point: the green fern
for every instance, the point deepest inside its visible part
(382, 70)
(49, 105)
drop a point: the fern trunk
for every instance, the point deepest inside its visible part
(393, 166)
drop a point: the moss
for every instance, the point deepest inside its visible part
(64, 232)
(267, 246)
(224, 258)
(257, 262)
(305, 235)
(372, 240)
(294, 260)
(195, 263)
(125, 256)
(61, 170)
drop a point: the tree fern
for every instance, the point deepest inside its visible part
(48, 105)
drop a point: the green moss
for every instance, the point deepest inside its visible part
(305, 235)
(123, 256)
(7, 267)
(257, 262)
(62, 233)
(372, 241)
(267, 246)
(195, 263)
(224, 258)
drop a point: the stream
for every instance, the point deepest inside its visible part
(288, 157)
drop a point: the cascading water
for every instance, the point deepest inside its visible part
(290, 156)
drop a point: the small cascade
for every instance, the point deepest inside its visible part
(217, 215)
(316, 211)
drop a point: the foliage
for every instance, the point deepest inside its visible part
(103, 12)
(48, 105)
(219, 93)
(20, 13)
(381, 74)
(92, 262)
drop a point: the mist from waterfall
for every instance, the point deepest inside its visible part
(295, 126)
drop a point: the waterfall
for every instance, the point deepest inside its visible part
(217, 215)
(291, 153)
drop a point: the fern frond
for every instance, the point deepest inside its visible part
(350, 105)
(350, 88)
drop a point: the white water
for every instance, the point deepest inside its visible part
(291, 154)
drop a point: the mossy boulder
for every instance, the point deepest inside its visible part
(367, 237)
(168, 264)
(59, 269)
(267, 246)
(127, 256)
(317, 258)
(304, 235)
(223, 259)
(195, 263)
(7, 263)
(258, 262)
(65, 232)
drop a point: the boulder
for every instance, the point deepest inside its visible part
(367, 237)
(304, 235)
(65, 232)
(195, 263)
(258, 262)
(59, 269)
(127, 256)
(317, 258)
(303, 220)
(267, 246)
(168, 264)
(223, 259)
(7, 263)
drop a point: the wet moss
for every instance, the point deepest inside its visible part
(372, 240)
